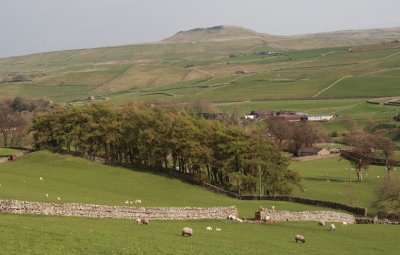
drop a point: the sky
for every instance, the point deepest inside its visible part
(32, 26)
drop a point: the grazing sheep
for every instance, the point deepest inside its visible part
(218, 229)
(232, 217)
(41, 178)
(344, 223)
(209, 228)
(321, 223)
(47, 195)
(239, 220)
(126, 202)
(139, 221)
(187, 232)
(299, 238)
(137, 201)
(273, 208)
(145, 221)
(58, 198)
(333, 227)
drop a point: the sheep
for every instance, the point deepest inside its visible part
(137, 201)
(344, 223)
(209, 228)
(46, 195)
(267, 218)
(299, 238)
(239, 220)
(58, 198)
(273, 208)
(126, 201)
(218, 229)
(41, 178)
(231, 217)
(145, 221)
(138, 221)
(187, 232)
(321, 223)
(333, 227)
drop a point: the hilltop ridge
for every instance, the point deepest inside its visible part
(215, 33)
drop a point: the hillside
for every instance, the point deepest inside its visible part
(225, 63)
(217, 33)
(74, 179)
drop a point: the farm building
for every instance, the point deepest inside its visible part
(312, 152)
(320, 118)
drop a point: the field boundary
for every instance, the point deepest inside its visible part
(116, 212)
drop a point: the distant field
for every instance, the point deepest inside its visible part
(333, 180)
(344, 109)
(63, 235)
(163, 71)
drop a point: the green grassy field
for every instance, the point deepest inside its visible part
(6, 151)
(62, 235)
(333, 180)
(77, 180)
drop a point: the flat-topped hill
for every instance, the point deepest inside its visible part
(217, 33)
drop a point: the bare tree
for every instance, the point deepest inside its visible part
(280, 130)
(363, 146)
(11, 124)
(388, 197)
(387, 147)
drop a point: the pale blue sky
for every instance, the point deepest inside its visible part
(30, 26)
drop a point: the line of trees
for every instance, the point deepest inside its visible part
(243, 161)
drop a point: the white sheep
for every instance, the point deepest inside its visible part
(232, 217)
(299, 238)
(58, 198)
(239, 220)
(218, 229)
(145, 221)
(126, 201)
(138, 221)
(333, 227)
(344, 223)
(321, 223)
(273, 208)
(47, 195)
(41, 178)
(187, 231)
(137, 201)
(209, 228)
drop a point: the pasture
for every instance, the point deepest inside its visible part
(74, 179)
(23, 234)
(184, 72)
(334, 180)
(7, 151)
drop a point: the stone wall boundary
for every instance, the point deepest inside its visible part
(266, 215)
(115, 212)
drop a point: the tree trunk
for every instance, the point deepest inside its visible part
(359, 175)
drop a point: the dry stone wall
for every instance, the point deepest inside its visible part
(329, 216)
(116, 212)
